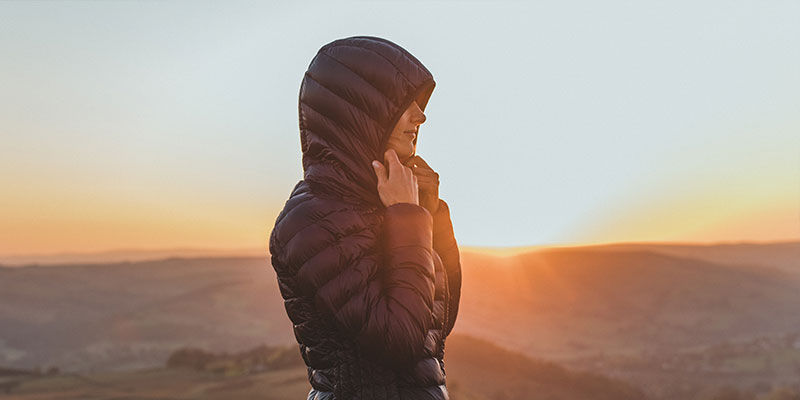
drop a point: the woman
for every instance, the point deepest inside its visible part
(365, 256)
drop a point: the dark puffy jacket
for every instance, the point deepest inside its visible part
(372, 291)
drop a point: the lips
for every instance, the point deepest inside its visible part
(413, 134)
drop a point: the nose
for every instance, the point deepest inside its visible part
(419, 117)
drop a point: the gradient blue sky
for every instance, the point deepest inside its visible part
(160, 124)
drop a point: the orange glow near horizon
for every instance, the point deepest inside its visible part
(63, 220)
(66, 218)
(712, 210)
(53, 223)
(32, 225)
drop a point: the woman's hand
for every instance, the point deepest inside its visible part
(398, 184)
(428, 181)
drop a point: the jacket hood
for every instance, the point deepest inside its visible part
(352, 95)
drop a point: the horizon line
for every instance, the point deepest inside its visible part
(135, 254)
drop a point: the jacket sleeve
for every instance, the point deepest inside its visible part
(444, 242)
(380, 292)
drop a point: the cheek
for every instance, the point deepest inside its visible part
(399, 139)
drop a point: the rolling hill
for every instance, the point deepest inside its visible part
(595, 308)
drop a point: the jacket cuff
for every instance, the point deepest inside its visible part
(408, 224)
(443, 235)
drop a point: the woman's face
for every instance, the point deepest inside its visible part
(403, 134)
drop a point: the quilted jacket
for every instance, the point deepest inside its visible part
(372, 291)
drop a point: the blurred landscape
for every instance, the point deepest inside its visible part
(619, 321)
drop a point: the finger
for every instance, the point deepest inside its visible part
(434, 180)
(421, 170)
(393, 163)
(425, 172)
(430, 179)
(422, 163)
(387, 158)
(427, 178)
(427, 184)
(380, 171)
(391, 158)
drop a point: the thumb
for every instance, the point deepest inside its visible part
(380, 171)
(422, 163)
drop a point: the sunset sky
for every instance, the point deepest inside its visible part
(158, 125)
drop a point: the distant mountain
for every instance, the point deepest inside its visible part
(782, 255)
(674, 326)
(130, 315)
(578, 301)
(124, 255)
(593, 308)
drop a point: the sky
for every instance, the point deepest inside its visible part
(165, 124)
